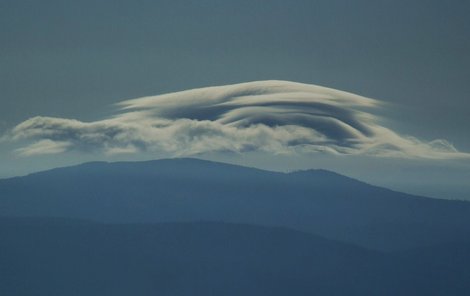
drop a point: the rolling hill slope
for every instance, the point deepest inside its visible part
(50, 256)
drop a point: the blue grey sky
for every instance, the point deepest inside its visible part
(75, 59)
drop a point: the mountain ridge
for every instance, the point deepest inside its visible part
(194, 161)
(318, 201)
(50, 256)
(311, 171)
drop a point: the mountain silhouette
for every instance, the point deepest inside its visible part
(189, 190)
(56, 256)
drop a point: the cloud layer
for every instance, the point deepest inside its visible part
(271, 116)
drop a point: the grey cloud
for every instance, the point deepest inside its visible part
(271, 116)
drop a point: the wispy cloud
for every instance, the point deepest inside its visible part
(272, 116)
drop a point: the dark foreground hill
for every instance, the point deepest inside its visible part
(316, 201)
(44, 256)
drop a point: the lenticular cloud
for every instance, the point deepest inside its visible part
(271, 116)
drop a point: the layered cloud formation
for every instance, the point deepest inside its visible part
(271, 116)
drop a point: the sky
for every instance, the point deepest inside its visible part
(77, 60)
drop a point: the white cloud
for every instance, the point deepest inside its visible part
(272, 116)
(43, 147)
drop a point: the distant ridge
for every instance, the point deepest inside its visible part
(47, 256)
(173, 190)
